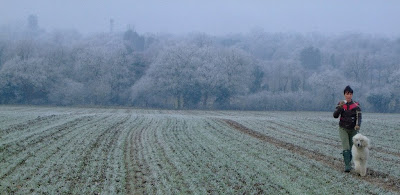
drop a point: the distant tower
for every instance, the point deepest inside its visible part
(111, 25)
(33, 23)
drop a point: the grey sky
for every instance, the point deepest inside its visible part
(211, 16)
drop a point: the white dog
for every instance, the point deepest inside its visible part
(360, 152)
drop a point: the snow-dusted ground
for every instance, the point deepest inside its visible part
(133, 151)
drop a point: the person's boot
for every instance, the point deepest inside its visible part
(347, 160)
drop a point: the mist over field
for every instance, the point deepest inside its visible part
(195, 97)
(247, 55)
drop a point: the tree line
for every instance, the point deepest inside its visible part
(253, 71)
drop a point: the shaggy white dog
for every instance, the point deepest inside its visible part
(360, 152)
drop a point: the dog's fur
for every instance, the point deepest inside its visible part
(360, 153)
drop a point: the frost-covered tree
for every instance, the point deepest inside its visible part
(3, 46)
(357, 67)
(380, 100)
(106, 69)
(310, 58)
(394, 81)
(133, 41)
(67, 92)
(197, 70)
(258, 76)
(234, 67)
(188, 75)
(173, 73)
(327, 88)
(284, 75)
(25, 81)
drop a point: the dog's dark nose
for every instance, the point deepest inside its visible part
(358, 145)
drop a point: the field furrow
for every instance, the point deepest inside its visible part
(56, 150)
(137, 169)
(42, 157)
(19, 151)
(384, 159)
(375, 177)
(95, 157)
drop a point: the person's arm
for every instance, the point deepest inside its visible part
(358, 118)
(339, 109)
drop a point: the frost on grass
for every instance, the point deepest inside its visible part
(130, 151)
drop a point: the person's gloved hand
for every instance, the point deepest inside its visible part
(357, 128)
(340, 105)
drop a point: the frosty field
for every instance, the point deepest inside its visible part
(59, 150)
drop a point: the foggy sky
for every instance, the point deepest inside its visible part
(217, 17)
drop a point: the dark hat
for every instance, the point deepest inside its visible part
(348, 89)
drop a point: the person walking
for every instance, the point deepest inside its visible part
(349, 123)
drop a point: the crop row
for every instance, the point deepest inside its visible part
(132, 151)
(320, 134)
(70, 154)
